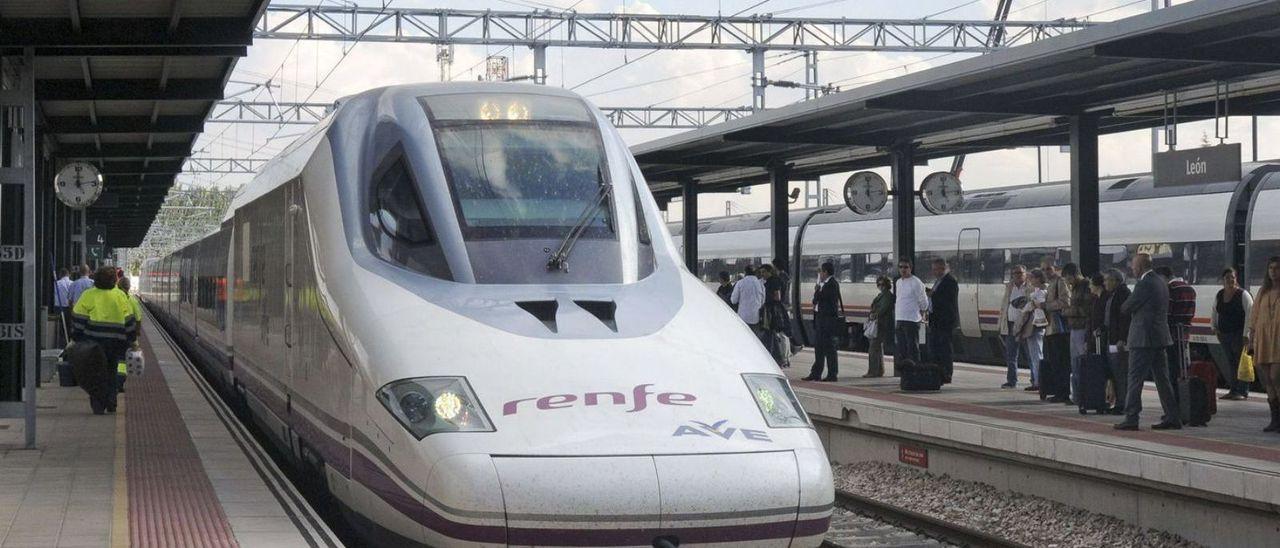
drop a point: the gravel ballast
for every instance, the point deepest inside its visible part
(1021, 518)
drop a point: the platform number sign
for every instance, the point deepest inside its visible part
(12, 253)
(12, 331)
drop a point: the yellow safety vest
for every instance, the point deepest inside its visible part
(104, 314)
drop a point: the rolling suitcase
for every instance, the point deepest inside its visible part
(1093, 382)
(919, 377)
(1198, 403)
(1207, 372)
(1181, 386)
(1055, 367)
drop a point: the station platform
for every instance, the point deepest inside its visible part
(173, 467)
(1215, 485)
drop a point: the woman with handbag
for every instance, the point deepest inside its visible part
(1230, 311)
(1031, 327)
(1263, 342)
(879, 327)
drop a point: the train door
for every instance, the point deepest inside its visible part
(968, 273)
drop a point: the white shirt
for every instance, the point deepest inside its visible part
(911, 301)
(1013, 313)
(62, 292)
(1038, 295)
(748, 294)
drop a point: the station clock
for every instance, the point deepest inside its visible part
(865, 192)
(941, 193)
(78, 184)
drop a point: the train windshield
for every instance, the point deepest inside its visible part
(522, 166)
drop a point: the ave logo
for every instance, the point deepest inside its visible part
(719, 429)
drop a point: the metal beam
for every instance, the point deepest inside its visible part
(138, 32)
(1084, 193)
(645, 31)
(1258, 51)
(903, 188)
(812, 137)
(77, 125)
(779, 212)
(689, 211)
(197, 164)
(136, 167)
(176, 89)
(277, 113)
(124, 150)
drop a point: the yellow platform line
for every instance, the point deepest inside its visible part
(120, 498)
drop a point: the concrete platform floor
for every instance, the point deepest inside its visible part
(164, 471)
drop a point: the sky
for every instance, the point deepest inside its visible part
(324, 71)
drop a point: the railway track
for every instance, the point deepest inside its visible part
(884, 524)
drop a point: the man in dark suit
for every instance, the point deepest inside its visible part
(1148, 337)
(828, 320)
(944, 316)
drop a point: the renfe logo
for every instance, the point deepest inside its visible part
(639, 400)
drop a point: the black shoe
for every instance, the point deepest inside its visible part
(1167, 426)
(111, 409)
(1126, 426)
(810, 378)
(1032, 388)
(1115, 411)
(1008, 385)
(946, 380)
(829, 379)
(1275, 418)
(1059, 399)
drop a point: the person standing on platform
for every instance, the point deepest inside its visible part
(1115, 328)
(122, 368)
(1077, 316)
(772, 315)
(1032, 327)
(1182, 309)
(748, 296)
(1148, 342)
(725, 291)
(1015, 298)
(103, 319)
(1055, 368)
(828, 321)
(79, 285)
(1264, 339)
(881, 316)
(911, 302)
(1230, 312)
(62, 306)
(944, 317)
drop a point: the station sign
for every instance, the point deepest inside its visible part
(913, 455)
(12, 331)
(94, 252)
(1196, 166)
(12, 253)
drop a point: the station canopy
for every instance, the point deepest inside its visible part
(1130, 74)
(126, 85)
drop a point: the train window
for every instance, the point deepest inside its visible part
(401, 232)
(993, 270)
(527, 179)
(396, 204)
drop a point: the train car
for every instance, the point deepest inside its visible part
(1196, 230)
(457, 308)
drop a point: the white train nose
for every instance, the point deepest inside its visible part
(751, 499)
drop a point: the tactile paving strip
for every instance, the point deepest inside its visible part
(171, 500)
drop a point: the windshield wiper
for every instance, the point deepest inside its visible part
(560, 259)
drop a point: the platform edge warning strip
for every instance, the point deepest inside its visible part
(315, 532)
(120, 483)
(171, 499)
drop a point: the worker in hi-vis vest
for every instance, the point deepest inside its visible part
(104, 327)
(122, 367)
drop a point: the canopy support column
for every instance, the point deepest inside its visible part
(1084, 193)
(903, 175)
(540, 64)
(779, 212)
(689, 195)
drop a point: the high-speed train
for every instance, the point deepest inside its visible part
(457, 307)
(1196, 230)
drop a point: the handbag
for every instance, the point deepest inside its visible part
(871, 330)
(134, 362)
(1245, 371)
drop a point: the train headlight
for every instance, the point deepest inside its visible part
(430, 405)
(778, 404)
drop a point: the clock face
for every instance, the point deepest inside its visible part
(78, 185)
(940, 193)
(865, 192)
